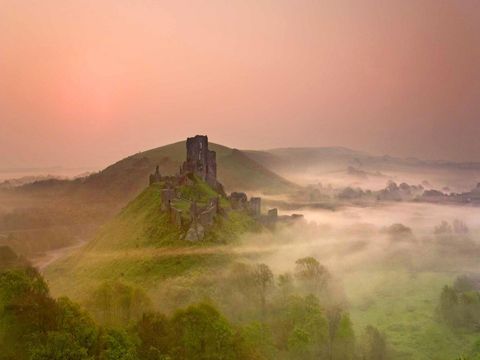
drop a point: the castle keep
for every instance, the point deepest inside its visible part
(200, 160)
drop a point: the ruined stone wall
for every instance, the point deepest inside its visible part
(207, 217)
(211, 175)
(176, 216)
(155, 177)
(238, 200)
(255, 206)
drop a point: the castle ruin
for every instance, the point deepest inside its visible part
(202, 163)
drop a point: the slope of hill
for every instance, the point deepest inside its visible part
(142, 247)
(236, 169)
(127, 177)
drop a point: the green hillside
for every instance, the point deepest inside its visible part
(142, 247)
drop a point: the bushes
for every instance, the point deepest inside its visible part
(282, 325)
(459, 306)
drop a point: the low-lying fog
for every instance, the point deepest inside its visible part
(411, 235)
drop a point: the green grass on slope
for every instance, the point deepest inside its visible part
(140, 224)
(140, 246)
(402, 304)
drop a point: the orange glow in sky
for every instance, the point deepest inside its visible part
(87, 82)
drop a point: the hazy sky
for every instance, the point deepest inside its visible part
(89, 82)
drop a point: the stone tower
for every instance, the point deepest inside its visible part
(200, 160)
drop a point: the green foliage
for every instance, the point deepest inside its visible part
(460, 308)
(33, 325)
(282, 326)
(258, 341)
(154, 333)
(200, 332)
(71, 319)
(314, 275)
(300, 328)
(58, 346)
(373, 346)
(116, 345)
(118, 304)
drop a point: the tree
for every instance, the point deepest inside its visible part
(26, 310)
(374, 345)
(263, 280)
(116, 345)
(201, 332)
(449, 306)
(118, 304)
(257, 342)
(154, 332)
(300, 327)
(340, 334)
(285, 284)
(309, 270)
(71, 319)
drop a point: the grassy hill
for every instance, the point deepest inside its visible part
(141, 247)
(126, 178)
(236, 171)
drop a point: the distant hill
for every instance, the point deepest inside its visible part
(128, 177)
(298, 159)
(336, 165)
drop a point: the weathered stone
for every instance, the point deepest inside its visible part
(207, 217)
(176, 216)
(196, 232)
(200, 160)
(255, 206)
(238, 200)
(168, 195)
(155, 177)
(215, 203)
(193, 211)
(273, 214)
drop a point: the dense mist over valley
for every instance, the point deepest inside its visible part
(372, 244)
(239, 180)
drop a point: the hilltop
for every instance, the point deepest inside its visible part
(176, 228)
(126, 178)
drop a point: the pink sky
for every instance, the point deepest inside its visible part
(87, 82)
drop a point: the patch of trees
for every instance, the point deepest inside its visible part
(459, 305)
(288, 319)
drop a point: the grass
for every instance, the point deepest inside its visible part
(402, 305)
(141, 246)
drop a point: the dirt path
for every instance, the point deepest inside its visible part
(41, 262)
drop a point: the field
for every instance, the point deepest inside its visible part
(402, 305)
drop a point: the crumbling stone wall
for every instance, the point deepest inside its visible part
(272, 214)
(255, 206)
(167, 196)
(238, 200)
(176, 216)
(155, 177)
(207, 217)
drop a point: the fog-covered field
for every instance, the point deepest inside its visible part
(391, 260)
